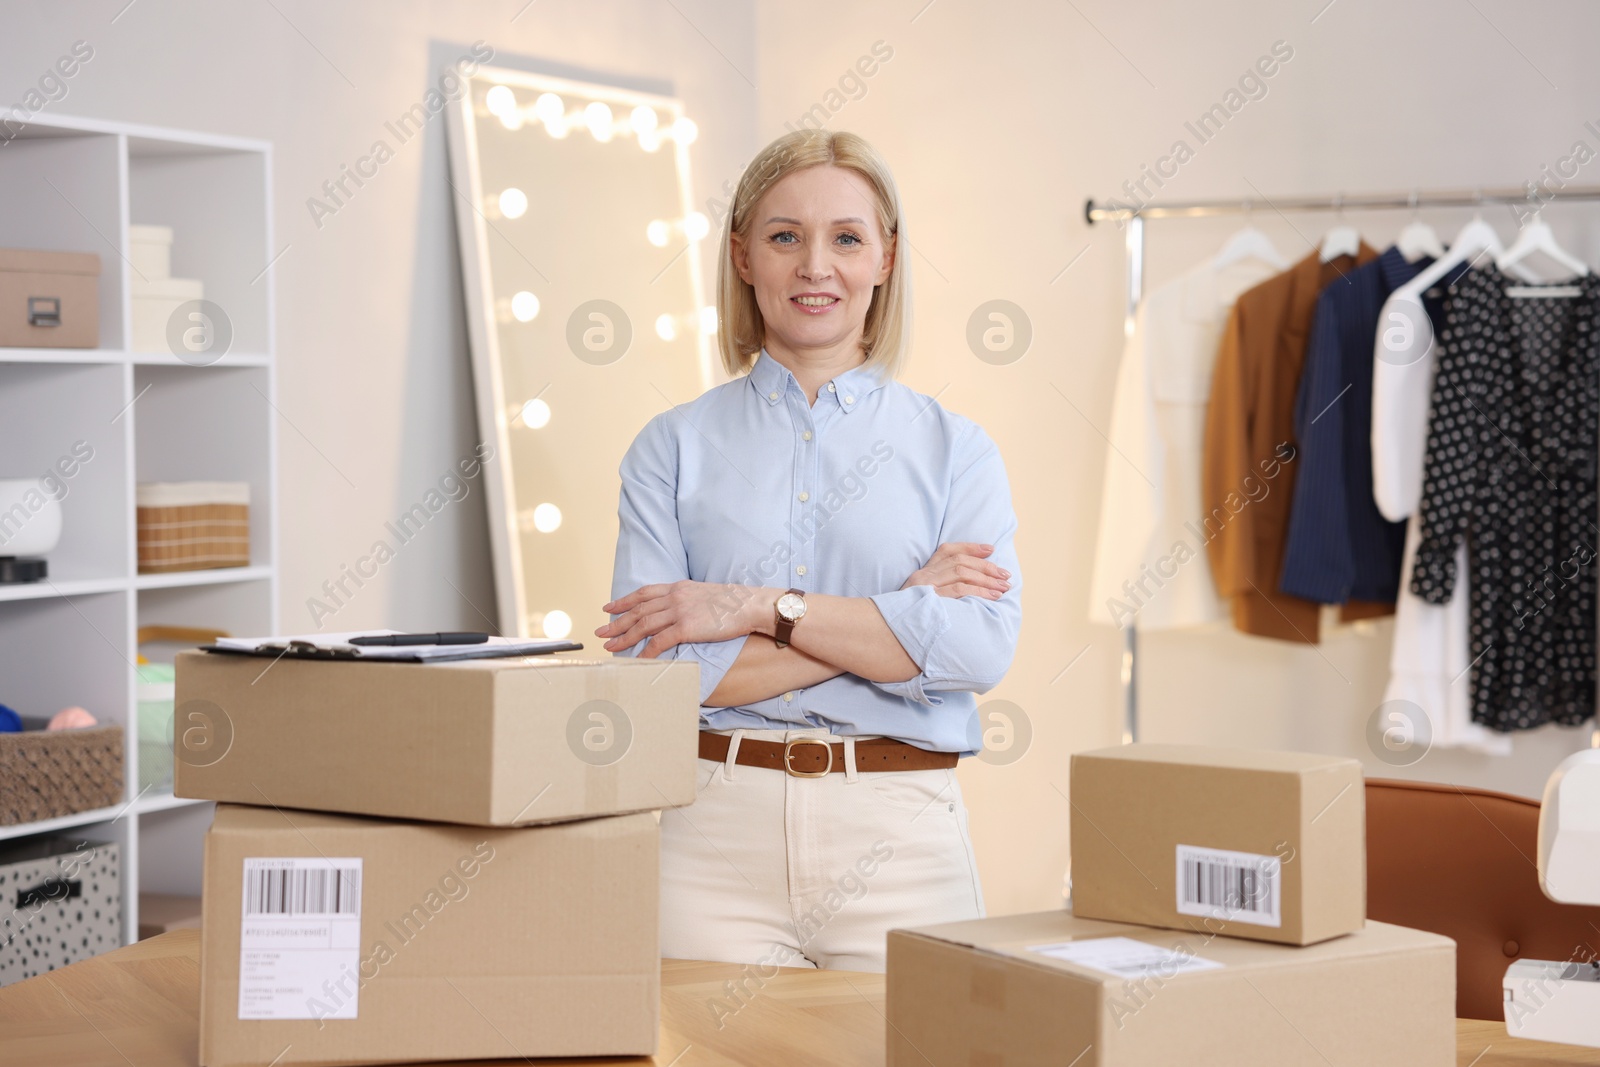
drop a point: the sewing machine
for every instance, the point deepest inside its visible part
(1547, 1000)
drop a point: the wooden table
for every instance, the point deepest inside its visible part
(139, 1006)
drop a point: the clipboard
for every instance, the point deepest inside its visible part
(393, 653)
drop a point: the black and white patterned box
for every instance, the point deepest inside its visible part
(60, 902)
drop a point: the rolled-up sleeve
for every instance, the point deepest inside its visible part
(962, 643)
(650, 546)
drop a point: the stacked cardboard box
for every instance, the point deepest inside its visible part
(1270, 846)
(1218, 917)
(431, 861)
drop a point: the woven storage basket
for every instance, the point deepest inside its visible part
(46, 773)
(193, 526)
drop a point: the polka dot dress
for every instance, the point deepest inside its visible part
(1511, 469)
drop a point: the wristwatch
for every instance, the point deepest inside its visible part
(791, 607)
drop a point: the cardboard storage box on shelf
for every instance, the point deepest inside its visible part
(1050, 988)
(63, 903)
(155, 301)
(157, 295)
(335, 938)
(49, 299)
(490, 742)
(1265, 845)
(150, 252)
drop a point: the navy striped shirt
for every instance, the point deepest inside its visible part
(1340, 547)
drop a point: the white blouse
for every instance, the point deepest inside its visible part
(1150, 566)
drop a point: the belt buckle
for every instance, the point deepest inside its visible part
(788, 767)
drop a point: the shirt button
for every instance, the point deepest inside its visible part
(849, 400)
(830, 387)
(800, 569)
(804, 497)
(772, 396)
(806, 436)
(788, 696)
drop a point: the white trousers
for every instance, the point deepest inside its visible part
(770, 869)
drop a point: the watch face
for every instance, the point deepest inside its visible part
(791, 607)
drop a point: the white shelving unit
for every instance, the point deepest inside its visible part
(75, 185)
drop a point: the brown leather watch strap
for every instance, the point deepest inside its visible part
(783, 628)
(808, 756)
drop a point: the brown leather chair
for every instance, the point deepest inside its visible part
(1463, 863)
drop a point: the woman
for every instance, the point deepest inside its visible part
(835, 551)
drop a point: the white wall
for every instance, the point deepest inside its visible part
(999, 120)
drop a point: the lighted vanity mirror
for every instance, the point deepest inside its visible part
(581, 258)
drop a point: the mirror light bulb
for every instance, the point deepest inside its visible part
(546, 518)
(557, 624)
(696, 225)
(657, 233)
(549, 108)
(650, 140)
(535, 414)
(513, 203)
(643, 119)
(666, 329)
(685, 131)
(525, 306)
(597, 116)
(708, 320)
(500, 99)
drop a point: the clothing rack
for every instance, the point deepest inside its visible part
(1134, 217)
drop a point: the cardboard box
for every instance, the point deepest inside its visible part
(983, 993)
(49, 299)
(332, 938)
(1265, 845)
(490, 742)
(155, 301)
(150, 252)
(63, 903)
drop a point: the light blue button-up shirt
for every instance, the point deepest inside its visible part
(749, 484)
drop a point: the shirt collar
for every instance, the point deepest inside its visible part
(771, 380)
(768, 377)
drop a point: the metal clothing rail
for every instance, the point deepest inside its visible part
(1111, 210)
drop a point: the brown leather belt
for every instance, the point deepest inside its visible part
(812, 757)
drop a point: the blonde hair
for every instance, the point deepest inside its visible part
(741, 331)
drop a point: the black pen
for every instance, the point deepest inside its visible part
(457, 638)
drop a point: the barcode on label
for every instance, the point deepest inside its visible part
(1235, 886)
(302, 891)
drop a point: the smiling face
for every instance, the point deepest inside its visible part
(814, 255)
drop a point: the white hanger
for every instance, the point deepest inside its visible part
(1418, 239)
(1249, 243)
(1342, 240)
(1537, 237)
(1477, 238)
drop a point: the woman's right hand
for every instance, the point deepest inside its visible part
(959, 568)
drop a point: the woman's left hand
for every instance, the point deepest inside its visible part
(676, 613)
